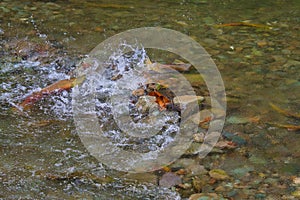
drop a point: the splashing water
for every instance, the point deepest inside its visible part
(22, 79)
(19, 79)
(124, 127)
(114, 105)
(109, 123)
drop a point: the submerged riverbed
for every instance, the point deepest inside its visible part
(42, 156)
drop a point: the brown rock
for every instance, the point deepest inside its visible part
(199, 182)
(218, 174)
(220, 189)
(138, 92)
(195, 170)
(261, 43)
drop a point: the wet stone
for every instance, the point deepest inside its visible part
(232, 193)
(193, 149)
(271, 181)
(53, 6)
(210, 42)
(5, 10)
(220, 189)
(142, 177)
(242, 171)
(291, 63)
(199, 137)
(200, 116)
(145, 103)
(260, 196)
(196, 170)
(169, 179)
(257, 160)
(209, 20)
(286, 51)
(296, 193)
(296, 181)
(199, 182)
(187, 99)
(261, 43)
(237, 120)
(183, 163)
(138, 92)
(218, 174)
(206, 196)
(236, 138)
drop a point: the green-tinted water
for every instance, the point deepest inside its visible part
(258, 66)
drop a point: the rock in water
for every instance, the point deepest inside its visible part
(188, 103)
(169, 180)
(218, 174)
(208, 196)
(186, 99)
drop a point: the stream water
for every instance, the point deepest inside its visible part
(43, 41)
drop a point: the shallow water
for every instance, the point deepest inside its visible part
(258, 66)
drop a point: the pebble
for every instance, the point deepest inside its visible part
(206, 196)
(194, 149)
(239, 49)
(256, 52)
(181, 23)
(6, 10)
(286, 51)
(208, 189)
(142, 177)
(52, 6)
(296, 180)
(204, 114)
(201, 116)
(187, 99)
(199, 182)
(183, 163)
(261, 43)
(185, 186)
(242, 171)
(232, 193)
(188, 103)
(199, 137)
(260, 196)
(138, 92)
(195, 170)
(145, 103)
(290, 63)
(209, 20)
(271, 181)
(225, 145)
(257, 160)
(218, 174)
(237, 120)
(170, 179)
(220, 189)
(210, 42)
(296, 193)
(235, 138)
(194, 79)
